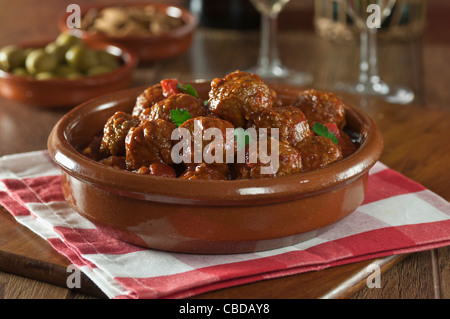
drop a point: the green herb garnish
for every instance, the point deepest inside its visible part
(180, 116)
(322, 130)
(187, 89)
(242, 137)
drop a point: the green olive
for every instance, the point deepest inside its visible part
(39, 61)
(63, 70)
(28, 51)
(66, 71)
(11, 57)
(100, 69)
(44, 75)
(74, 75)
(81, 58)
(20, 71)
(67, 40)
(57, 50)
(106, 58)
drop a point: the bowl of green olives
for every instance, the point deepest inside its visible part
(64, 72)
(153, 30)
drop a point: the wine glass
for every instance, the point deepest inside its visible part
(269, 66)
(370, 83)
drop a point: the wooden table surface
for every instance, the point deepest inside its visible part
(415, 136)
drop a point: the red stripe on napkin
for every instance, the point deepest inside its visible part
(74, 257)
(94, 241)
(35, 190)
(13, 206)
(388, 183)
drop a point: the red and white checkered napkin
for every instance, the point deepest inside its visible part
(398, 216)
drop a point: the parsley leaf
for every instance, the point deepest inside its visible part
(322, 130)
(180, 116)
(242, 137)
(187, 89)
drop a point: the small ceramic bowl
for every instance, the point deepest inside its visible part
(207, 217)
(148, 47)
(65, 93)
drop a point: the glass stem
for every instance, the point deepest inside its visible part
(373, 56)
(364, 58)
(368, 69)
(268, 52)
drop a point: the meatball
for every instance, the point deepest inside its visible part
(290, 121)
(148, 143)
(317, 152)
(92, 150)
(205, 171)
(237, 96)
(158, 169)
(285, 161)
(115, 132)
(346, 144)
(276, 101)
(147, 99)
(222, 138)
(161, 110)
(115, 161)
(208, 142)
(322, 107)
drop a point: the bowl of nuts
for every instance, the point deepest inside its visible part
(63, 72)
(154, 31)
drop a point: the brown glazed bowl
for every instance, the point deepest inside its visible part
(64, 93)
(206, 217)
(148, 47)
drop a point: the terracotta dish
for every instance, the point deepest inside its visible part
(150, 47)
(64, 93)
(203, 216)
